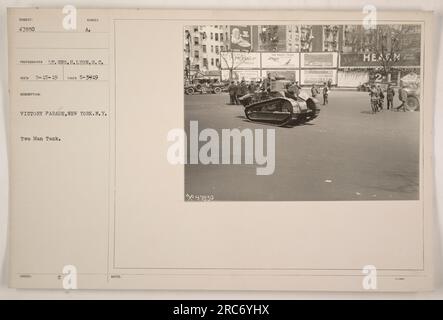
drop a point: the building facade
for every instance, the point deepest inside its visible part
(202, 47)
(386, 51)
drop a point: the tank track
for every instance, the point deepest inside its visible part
(276, 110)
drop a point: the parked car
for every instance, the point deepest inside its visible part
(413, 102)
(218, 87)
(204, 87)
(411, 82)
(194, 88)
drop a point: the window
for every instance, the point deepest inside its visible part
(196, 41)
(212, 48)
(196, 54)
(226, 36)
(217, 62)
(205, 62)
(216, 37)
(204, 48)
(222, 48)
(212, 61)
(212, 36)
(216, 49)
(195, 29)
(221, 36)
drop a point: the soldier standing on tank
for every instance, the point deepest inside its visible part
(243, 88)
(251, 87)
(293, 90)
(267, 83)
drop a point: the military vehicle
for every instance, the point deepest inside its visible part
(279, 106)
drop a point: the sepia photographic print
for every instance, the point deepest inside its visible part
(250, 150)
(300, 112)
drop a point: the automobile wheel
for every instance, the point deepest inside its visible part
(190, 91)
(217, 90)
(412, 104)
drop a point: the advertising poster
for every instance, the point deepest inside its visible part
(270, 38)
(286, 74)
(400, 59)
(284, 60)
(240, 60)
(319, 60)
(241, 39)
(318, 76)
(238, 75)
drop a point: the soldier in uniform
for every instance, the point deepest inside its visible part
(293, 90)
(242, 90)
(267, 83)
(325, 93)
(390, 93)
(381, 97)
(374, 96)
(232, 89)
(314, 91)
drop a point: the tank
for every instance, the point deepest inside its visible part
(279, 106)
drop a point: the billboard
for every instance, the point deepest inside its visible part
(400, 59)
(276, 60)
(317, 76)
(287, 74)
(241, 38)
(248, 75)
(253, 65)
(270, 38)
(319, 60)
(240, 60)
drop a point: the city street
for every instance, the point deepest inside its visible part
(347, 153)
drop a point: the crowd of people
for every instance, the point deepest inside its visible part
(378, 96)
(238, 89)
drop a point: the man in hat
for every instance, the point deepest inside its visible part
(232, 90)
(314, 91)
(390, 93)
(325, 93)
(381, 97)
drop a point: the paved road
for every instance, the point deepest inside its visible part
(345, 154)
